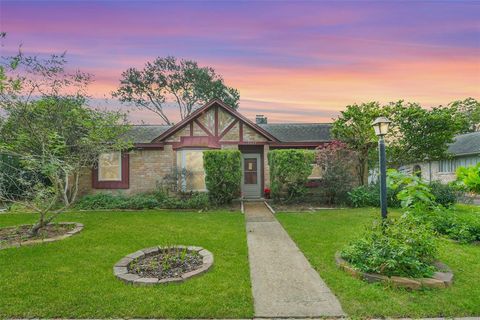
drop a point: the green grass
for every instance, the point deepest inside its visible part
(73, 278)
(319, 235)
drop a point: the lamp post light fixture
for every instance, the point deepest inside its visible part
(381, 125)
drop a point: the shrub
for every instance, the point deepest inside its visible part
(402, 247)
(223, 174)
(158, 199)
(369, 196)
(463, 227)
(338, 176)
(289, 171)
(445, 194)
(470, 177)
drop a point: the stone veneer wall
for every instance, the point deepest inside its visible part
(147, 167)
(431, 172)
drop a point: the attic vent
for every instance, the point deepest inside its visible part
(260, 119)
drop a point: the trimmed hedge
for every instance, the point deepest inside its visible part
(289, 171)
(223, 174)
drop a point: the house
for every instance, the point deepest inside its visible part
(160, 151)
(464, 150)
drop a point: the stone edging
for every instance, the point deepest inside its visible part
(77, 229)
(120, 270)
(269, 207)
(440, 279)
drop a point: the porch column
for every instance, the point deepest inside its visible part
(266, 167)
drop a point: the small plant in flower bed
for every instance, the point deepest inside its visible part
(168, 263)
(402, 247)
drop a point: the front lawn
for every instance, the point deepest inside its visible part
(73, 278)
(319, 235)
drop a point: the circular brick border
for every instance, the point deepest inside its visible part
(120, 269)
(440, 279)
(78, 227)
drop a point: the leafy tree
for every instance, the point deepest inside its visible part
(168, 80)
(354, 128)
(48, 128)
(418, 134)
(469, 111)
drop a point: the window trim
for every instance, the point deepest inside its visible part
(124, 183)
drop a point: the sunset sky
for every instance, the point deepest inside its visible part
(292, 61)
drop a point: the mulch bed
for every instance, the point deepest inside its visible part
(168, 263)
(18, 234)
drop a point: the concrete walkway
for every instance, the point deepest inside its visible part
(284, 284)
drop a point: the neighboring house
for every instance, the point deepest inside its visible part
(465, 151)
(159, 151)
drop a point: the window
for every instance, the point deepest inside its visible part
(110, 167)
(112, 171)
(190, 162)
(250, 170)
(417, 170)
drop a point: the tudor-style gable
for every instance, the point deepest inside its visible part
(212, 125)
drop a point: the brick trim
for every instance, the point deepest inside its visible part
(123, 184)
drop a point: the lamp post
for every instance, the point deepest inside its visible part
(381, 125)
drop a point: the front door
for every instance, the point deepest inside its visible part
(251, 177)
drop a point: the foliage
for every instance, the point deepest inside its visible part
(338, 175)
(402, 247)
(140, 201)
(414, 193)
(469, 111)
(48, 127)
(444, 194)
(463, 227)
(470, 177)
(170, 81)
(289, 171)
(354, 127)
(170, 183)
(223, 174)
(369, 196)
(418, 133)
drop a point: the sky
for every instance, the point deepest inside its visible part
(293, 61)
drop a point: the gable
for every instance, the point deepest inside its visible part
(219, 122)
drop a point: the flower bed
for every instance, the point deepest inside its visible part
(158, 265)
(441, 279)
(18, 236)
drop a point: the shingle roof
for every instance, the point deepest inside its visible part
(468, 143)
(146, 133)
(299, 132)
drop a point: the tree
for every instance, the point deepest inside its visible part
(168, 80)
(418, 134)
(48, 134)
(354, 128)
(469, 111)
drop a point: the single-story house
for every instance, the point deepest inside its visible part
(464, 151)
(160, 150)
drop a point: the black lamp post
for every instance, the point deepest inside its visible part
(381, 125)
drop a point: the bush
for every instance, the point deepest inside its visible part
(289, 171)
(141, 201)
(470, 177)
(463, 227)
(223, 174)
(445, 194)
(369, 196)
(402, 247)
(338, 178)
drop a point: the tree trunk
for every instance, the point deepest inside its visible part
(37, 226)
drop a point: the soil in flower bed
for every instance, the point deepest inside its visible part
(169, 263)
(19, 234)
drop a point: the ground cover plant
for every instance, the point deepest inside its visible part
(157, 199)
(319, 235)
(73, 278)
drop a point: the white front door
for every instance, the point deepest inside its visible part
(251, 175)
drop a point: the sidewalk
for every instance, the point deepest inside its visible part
(283, 282)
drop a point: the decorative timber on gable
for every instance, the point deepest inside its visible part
(211, 126)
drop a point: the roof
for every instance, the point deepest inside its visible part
(146, 133)
(299, 132)
(464, 144)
